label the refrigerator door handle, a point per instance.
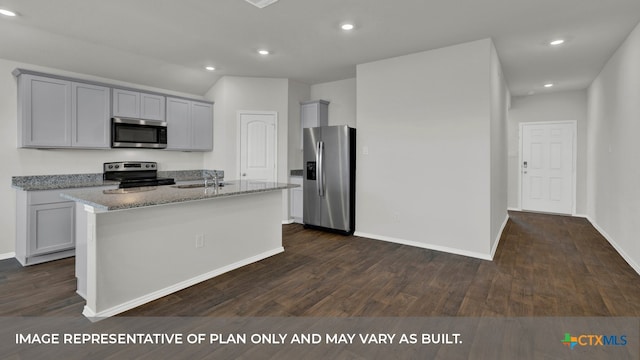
(320, 167)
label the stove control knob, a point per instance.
(117, 166)
(147, 166)
(110, 166)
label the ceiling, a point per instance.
(167, 43)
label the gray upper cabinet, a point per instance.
(62, 112)
(55, 113)
(90, 116)
(313, 113)
(44, 108)
(189, 125)
(138, 105)
(202, 126)
(152, 107)
(126, 103)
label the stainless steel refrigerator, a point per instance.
(329, 178)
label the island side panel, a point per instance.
(145, 253)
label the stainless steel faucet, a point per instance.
(213, 175)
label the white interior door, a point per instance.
(258, 144)
(548, 167)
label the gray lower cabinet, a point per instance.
(55, 113)
(296, 200)
(189, 125)
(45, 228)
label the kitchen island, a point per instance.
(136, 245)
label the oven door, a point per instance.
(136, 133)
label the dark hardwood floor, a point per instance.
(544, 266)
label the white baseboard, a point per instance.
(513, 209)
(615, 245)
(425, 246)
(287, 222)
(93, 316)
(6, 256)
(494, 248)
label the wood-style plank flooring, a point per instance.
(544, 266)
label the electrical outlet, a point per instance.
(199, 240)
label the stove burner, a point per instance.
(134, 174)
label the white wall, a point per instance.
(234, 93)
(613, 155)
(425, 120)
(555, 106)
(498, 143)
(17, 162)
(342, 97)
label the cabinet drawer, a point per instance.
(45, 197)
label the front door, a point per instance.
(548, 167)
(258, 146)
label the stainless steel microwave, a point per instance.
(138, 133)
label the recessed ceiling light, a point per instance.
(548, 85)
(557, 42)
(210, 68)
(261, 3)
(6, 12)
(263, 52)
(347, 27)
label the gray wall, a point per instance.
(613, 166)
(425, 120)
(498, 144)
(342, 97)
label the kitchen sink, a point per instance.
(193, 186)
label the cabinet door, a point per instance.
(90, 116)
(202, 126)
(152, 107)
(178, 124)
(309, 115)
(45, 106)
(296, 204)
(313, 114)
(126, 103)
(51, 228)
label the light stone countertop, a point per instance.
(122, 199)
(70, 181)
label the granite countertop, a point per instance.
(121, 199)
(70, 181)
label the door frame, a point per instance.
(239, 114)
(574, 124)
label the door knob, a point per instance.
(244, 174)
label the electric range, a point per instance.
(135, 174)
